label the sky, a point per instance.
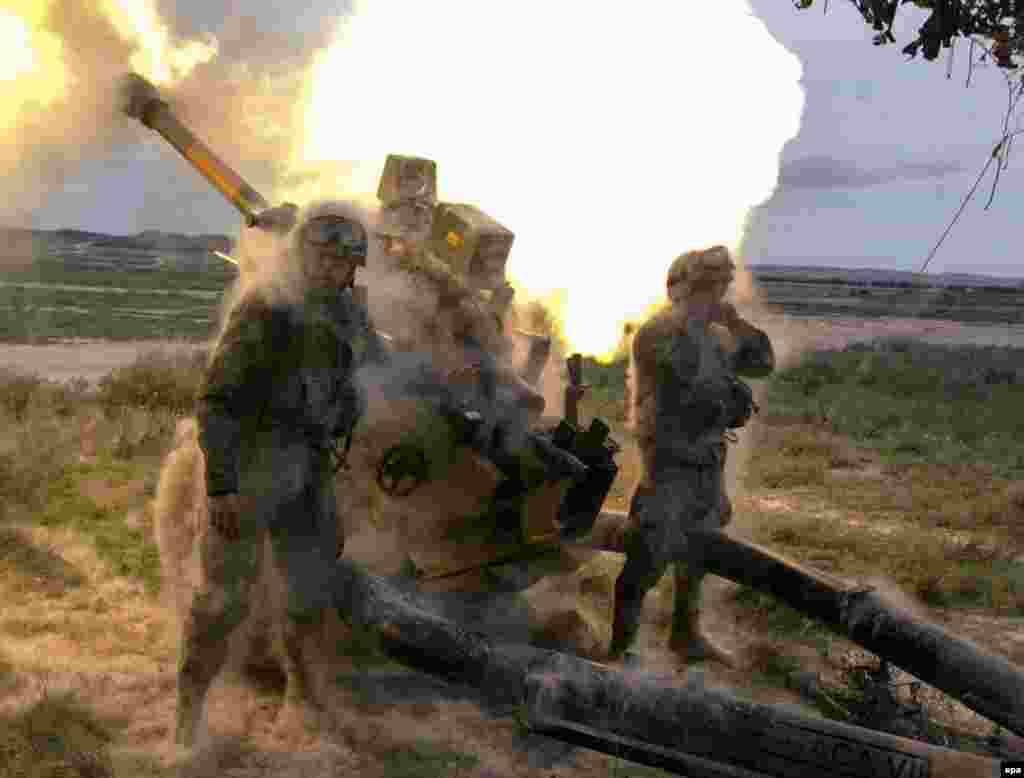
(885, 151)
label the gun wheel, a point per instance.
(402, 470)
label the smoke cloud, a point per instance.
(58, 107)
(238, 90)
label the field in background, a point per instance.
(47, 302)
(898, 462)
(53, 298)
(806, 291)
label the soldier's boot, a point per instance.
(301, 709)
(506, 507)
(202, 656)
(687, 639)
(626, 622)
(191, 699)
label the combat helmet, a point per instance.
(336, 228)
(697, 268)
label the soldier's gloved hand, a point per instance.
(226, 515)
(725, 314)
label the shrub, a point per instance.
(154, 382)
(55, 737)
(915, 400)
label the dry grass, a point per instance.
(55, 737)
(944, 533)
(74, 539)
(78, 471)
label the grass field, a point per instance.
(896, 460)
(914, 450)
(47, 302)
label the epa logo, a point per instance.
(1013, 768)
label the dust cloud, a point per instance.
(240, 92)
(68, 112)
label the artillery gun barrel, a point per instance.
(142, 101)
(691, 731)
(985, 682)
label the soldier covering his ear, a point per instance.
(685, 398)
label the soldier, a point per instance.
(276, 397)
(685, 398)
(459, 316)
(461, 330)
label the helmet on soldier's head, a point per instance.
(334, 232)
(699, 268)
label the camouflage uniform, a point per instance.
(461, 329)
(685, 398)
(277, 395)
(459, 318)
(463, 326)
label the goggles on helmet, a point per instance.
(344, 238)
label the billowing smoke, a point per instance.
(60, 62)
(608, 138)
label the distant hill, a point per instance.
(81, 249)
(166, 241)
(872, 276)
(148, 239)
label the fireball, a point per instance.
(609, 139)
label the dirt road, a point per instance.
(92, 359)
(88, 359)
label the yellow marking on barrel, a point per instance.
(218, 176)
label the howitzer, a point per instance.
(577, 467)
(474, 247)
(404, 467)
